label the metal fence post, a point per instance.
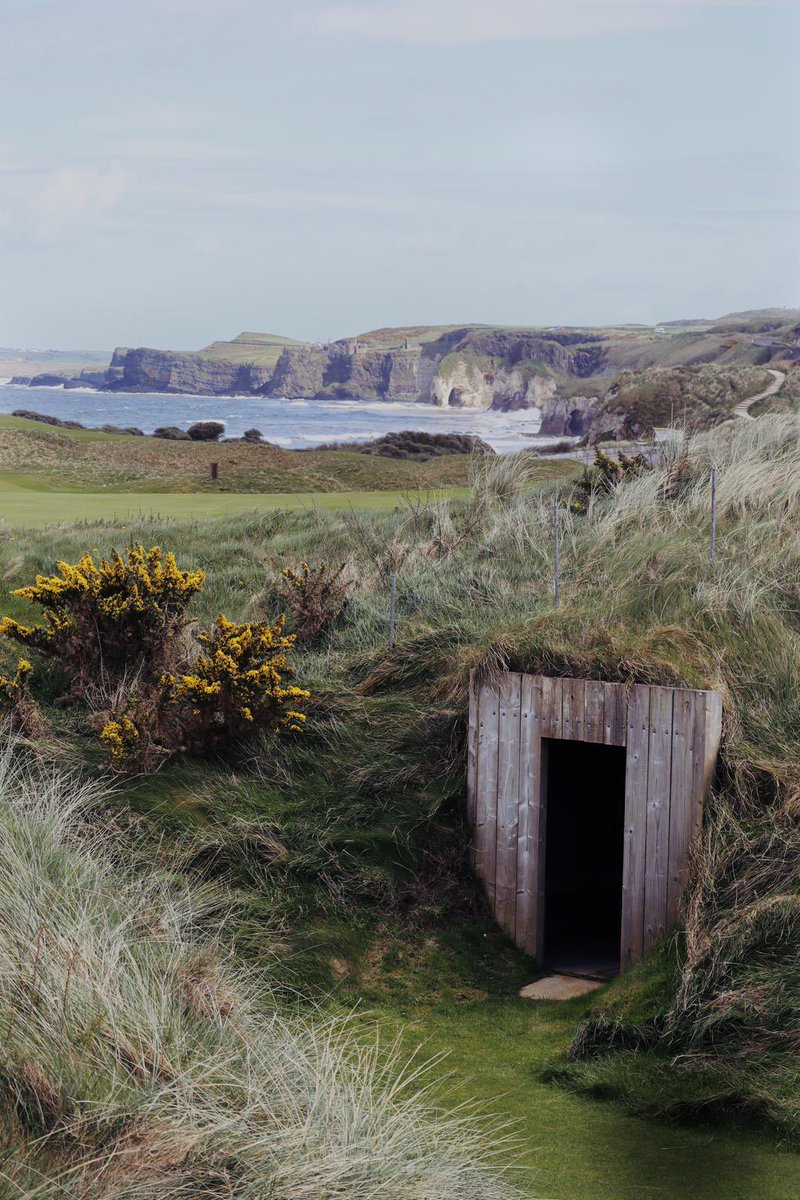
(713, 515)
(392, 595)
(555, 553)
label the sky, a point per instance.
(175, 171)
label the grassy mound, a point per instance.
(346, 847)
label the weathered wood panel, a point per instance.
(572, 700)
(486, 788)
(659, 782)
(672, 739)
(688, 721)
(635, 827)
(594, 711)
(530, 844)
(472, 751)
(508, 804)
(552, 696)
(616, 714)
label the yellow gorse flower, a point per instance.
(11, 688)
(241, 675)
(122, 590)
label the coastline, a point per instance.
(303, 423)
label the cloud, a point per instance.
(76, 197)
(466, 22)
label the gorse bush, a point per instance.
(138, 1061)
(122, 620)
(105, 617)
(604, 474)
(316, 596)
(236, 686)
(16, 702)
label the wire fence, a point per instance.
(556, 557)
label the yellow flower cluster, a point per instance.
(12, 688)
(297, 579)
(117, 583)
(120, 738)
(241, 675)
(142, 589)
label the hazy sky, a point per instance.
(178, 170)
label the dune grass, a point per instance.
(138, 1060)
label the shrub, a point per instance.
(236, 686)
(23, 712)
(206, 431)
(605, 474)
(317, 597)
(105, 617)
(171, 433)
(253, 435)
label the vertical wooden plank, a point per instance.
(486, 789)
(659, 772)
(472, 749)
(505, 900)
(712, 734)
(636, 768)
(529, 813)
(594, 699)
(687, 706)
(616, 714)
(552, 691)
(572, 709)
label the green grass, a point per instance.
(38, 457)
(77, 435)
(26, 508)
(579, 1149)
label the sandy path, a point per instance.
(743, 409)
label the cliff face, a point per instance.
(145, 370)
(618, 382)
(464, 368)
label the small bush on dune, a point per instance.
(317, 597)
(23, 712)
(236, 686)
(104, 617)
(605, 474)
(206, 431)
(120, 622)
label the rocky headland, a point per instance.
(615, 382)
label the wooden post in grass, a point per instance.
(555, 553)
(392, 595)
(713, 515)
(215, 470)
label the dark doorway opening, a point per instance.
(584, 825)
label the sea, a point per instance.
(293, 424)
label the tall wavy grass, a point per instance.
(136, 1061)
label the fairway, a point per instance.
(28, 508)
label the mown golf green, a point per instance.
(29, 508)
